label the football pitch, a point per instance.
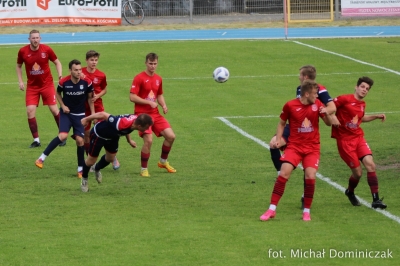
(208, 212)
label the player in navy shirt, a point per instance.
(107, 133)
(72, 93)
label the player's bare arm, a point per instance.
(19, 75)
(91, 103)
(279, 131)
(58, 68)
(330, 108)
(369, 118)
(136, 99)
(99, 95)
(161, 101)
(95, 116)
(61, 102)
(130, 141)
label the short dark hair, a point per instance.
(151, 57)
(367, 80)
(33, 31)
(92, 53)
(309, 71)
(307, 86)
(144, 120)
(74, 62)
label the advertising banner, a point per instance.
(369, 8)
(87, 12)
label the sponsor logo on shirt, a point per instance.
(306, 126)
(75, 93)
(36, 70)
(151, 97)
(353, 124)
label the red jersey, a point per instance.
(148, 88)
(349, 112)
(303, 122)
(37, 65)
(99, 82)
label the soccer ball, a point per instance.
(221, 74)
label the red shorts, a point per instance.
(309, 157)
(33, 95)
(351, 151)
(159, 124)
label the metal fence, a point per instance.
(209, 7)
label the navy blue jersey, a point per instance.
(323, 94)
(115, 126)
(74, 95)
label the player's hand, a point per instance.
(95, 97)
(22, 86)
(132, 143)
(65, 109)
(381, 117)
(84, 121)
(322, 110)
(165, 109)
(82, 76)
(153, 104)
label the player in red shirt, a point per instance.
(99, 80)
(350, 140)
(147, 93)
(36, 57)
(303, 146)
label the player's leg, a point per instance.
(48, 95)
(31, 102)
(93, 153)
(145, 152)
(368, 161)
(292, 158)
(161, 127)
(65, 125)
(310, 164)
(275, 151)
(169, 138)
(347, 151)
(79, 133)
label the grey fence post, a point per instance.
(191, 10)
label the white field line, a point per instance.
(348, 57)
(235, 77)
(319, 176)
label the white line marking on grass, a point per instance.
(319, 176)
(348, 57)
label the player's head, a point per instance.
(92, 58)
(364, 84)
(75, 69)
(366, 80)
(151, 63)
(307, 72)
(34, 39)
(309, 90)
(143, 122)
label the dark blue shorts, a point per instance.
(97, 143)
(68, 120)
(286, 133)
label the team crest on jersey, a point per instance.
(111, 119)
(314, 107)
(81, 87)
(157, 82)
(95, 80)
(43, 55)
(306, 126)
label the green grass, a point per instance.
(208, 212)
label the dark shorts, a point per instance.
(97, 143)
(69, 120)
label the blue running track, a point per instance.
(222, 34)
